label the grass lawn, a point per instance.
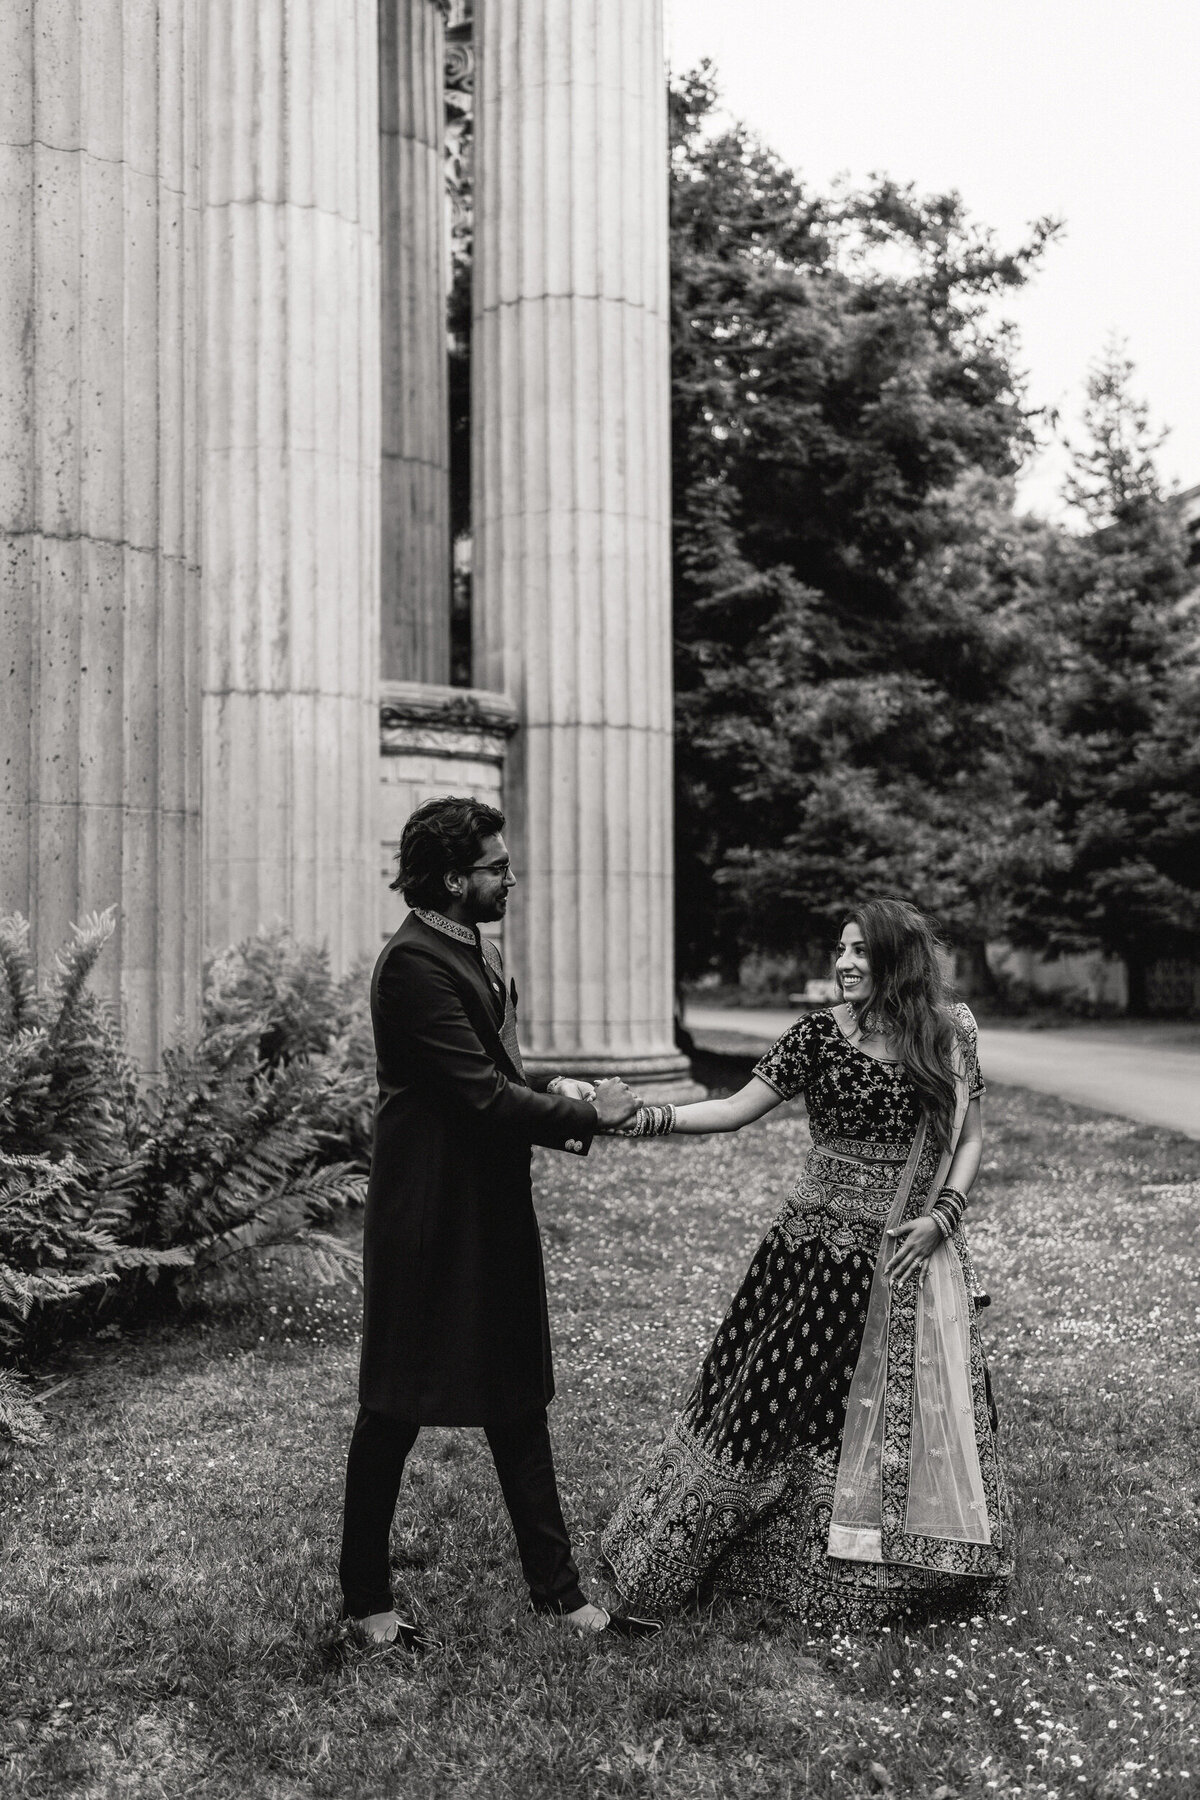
(167, 1567)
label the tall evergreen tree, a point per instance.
(1113, 770)
(851, 583)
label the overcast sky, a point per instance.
(1086, 109)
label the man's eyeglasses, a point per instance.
(503, 869)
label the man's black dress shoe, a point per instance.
(624, 1625)
(620, 1625)
(405, 1639)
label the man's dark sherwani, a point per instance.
(455, 1329)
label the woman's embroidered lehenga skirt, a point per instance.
(741, 1494)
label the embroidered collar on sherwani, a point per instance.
(449, 927)
(493, 967)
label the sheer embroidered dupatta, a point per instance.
(917, 1479)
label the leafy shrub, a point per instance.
(60, 1242)
(21, 1419)
(66, 1082)
(114, 1187)
(285, 990)
(281, 987)
(767, 978)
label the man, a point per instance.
(455, 1327)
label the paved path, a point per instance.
(1139, 1072)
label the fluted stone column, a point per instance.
(99, 618)
(291, 468)
(572, 512)
(415, 518)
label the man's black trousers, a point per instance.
(521, 1452)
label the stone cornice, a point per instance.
(447, 709)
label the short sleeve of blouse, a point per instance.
(785, 1067)
(968, 1039)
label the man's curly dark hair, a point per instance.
(442, 836)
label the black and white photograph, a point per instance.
(599, 900)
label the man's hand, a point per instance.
(615, 1104)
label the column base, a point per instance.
(658, 1078)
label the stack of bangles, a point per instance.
(947, 1210)
(650, 1121)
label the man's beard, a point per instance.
(489, 915)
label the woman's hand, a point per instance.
(915, 1244)
(570, 1088)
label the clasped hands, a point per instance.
(615, 1103)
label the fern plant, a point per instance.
(284, 991)
(279, 986)
(228, 1157)
(58, 1248)
(67, 1084)
(346, 1119)
(112, 1185)
(21, 1418)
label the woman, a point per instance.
(837, 1453)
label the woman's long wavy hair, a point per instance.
(912, 1000)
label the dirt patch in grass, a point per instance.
(168, 1593)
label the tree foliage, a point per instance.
(1112, 769)
(852, 586)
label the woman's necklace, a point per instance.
(870, 1035)
(868, 1025)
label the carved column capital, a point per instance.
(460, 109)
(460, 66)
(460, 47)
